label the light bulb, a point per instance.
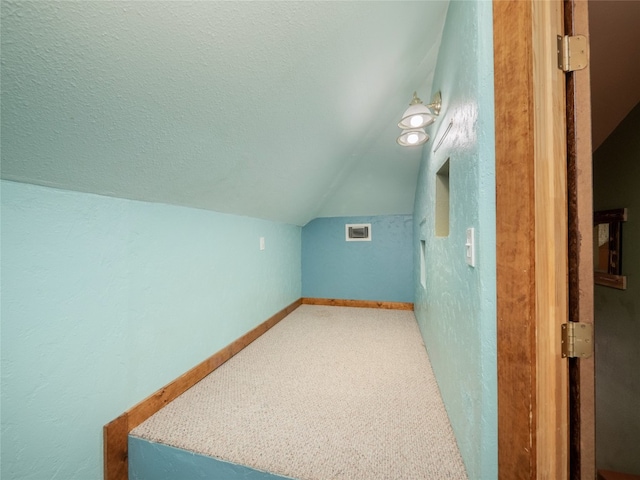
(412, 138)
(416, 120)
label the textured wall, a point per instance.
(105, 300)
(617, 312)
(377, 270)
(456, 311)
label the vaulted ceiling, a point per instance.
(279, 110)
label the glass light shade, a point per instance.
(416, 116)
(412, 137)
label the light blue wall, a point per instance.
(155, 461)
(105, 300)
(380, 270)
(457, 310)
(617, 312)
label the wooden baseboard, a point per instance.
(336, 302)
(116, 432)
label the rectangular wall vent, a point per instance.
(358, 232)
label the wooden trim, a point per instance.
(116, 465)
(337, 302)
(609, 216)
(609, 280)
(531, 206)
(582, 460)
(531, 235)
(551, 243)
(515, 233)
(116, 432)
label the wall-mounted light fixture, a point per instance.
(415, 118)
(412, 137)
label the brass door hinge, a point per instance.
(577, 340)
(572, 52)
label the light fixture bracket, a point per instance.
(436, 103)
(434, 106)
(415, 100)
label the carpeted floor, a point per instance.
(328, 393)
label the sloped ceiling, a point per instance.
(279, 110)
(615, 63)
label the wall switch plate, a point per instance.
(470, 247)
(261, 243)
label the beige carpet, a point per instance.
(328, 393)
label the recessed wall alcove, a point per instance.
(442, 200)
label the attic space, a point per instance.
(176, 173)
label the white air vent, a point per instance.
(358, 232)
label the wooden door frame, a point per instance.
(531, 234)
(580, 190)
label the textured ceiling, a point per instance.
(278, 110)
